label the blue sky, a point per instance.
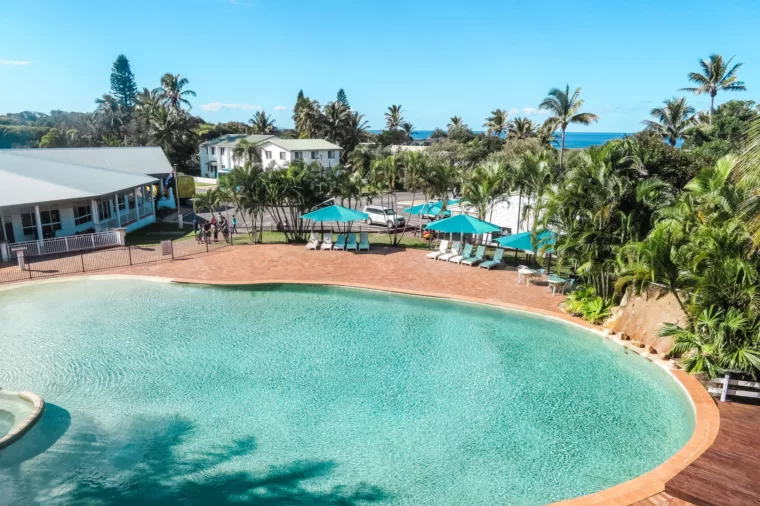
(436, 58)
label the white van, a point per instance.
(383, 216)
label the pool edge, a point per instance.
(706, 414)
(28, 422)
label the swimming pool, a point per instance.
(319, 395)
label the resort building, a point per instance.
(217, 157)
(59, 200)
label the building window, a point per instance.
(82, 215)
(206, 148)
(331, 154)
(213, 150)
(29, 224)
(282, 155)
(298, 155)
(314, 155)
(221, 151)
(104, 210)
(51, 221)
(268, 154)
(121, 203)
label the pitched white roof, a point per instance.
(304, 144)
(28, 180)
(135, 160)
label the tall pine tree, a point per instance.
(123, 85)
(343, 99)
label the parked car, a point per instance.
(383, 216)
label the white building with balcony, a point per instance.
(50, 199)
(217, 157)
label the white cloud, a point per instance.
(14, 62)
(527, 111)
(218, 106)
(280, 107)
(533, 110)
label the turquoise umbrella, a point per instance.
(335, 213)
(462, 224)
(435, 209)
(429, 208)
(522, 241)
(419, 209)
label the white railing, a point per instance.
(66, 244)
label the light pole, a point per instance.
(320, 173)
(176, 196)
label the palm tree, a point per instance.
(393, 117)
(673, 120)
(354, 132)
(521, 128)
(545, 133)
(308, 118)
(715, 76)
(147, 102)
(261, 123)
(564, 109)
(335, 118)
(109, 112)
(172, 91)
(408, 129)
(247, 151)
(497, 122)
(748, 177)
(456, 122)
(486, 186)
(656, 259)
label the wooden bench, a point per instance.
(738, 388)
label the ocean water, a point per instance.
(573, 140)
(174, 394)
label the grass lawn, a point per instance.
(157, 232)
(374, 239)
(204, 184)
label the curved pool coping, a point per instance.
(27, 423)
(706, 414)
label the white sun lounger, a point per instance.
(454, 252)
(327, 244)
(313, 242)
(442, 248)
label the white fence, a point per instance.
(67, 244)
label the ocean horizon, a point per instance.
(573, 140)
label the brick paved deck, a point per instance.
(391, 268)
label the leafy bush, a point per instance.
(596, 310)
(585, 303)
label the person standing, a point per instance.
(216, 231)
(234, 224)
(206, 232)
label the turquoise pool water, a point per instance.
(161, 393)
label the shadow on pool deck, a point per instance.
(146, 470)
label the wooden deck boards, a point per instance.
(728, 473)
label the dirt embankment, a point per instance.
(642, 316)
